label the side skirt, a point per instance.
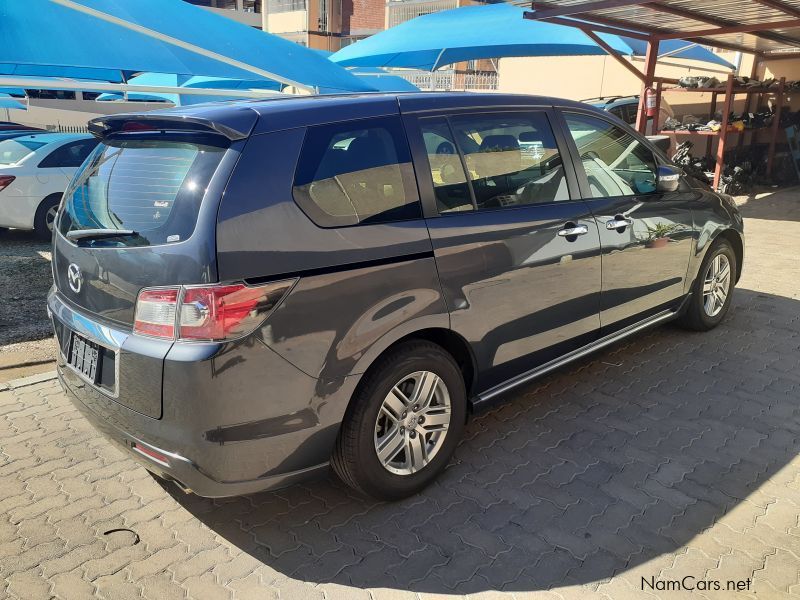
(491, 396)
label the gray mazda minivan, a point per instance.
(246, 293)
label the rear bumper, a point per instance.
(235, 418)
(18, 211)
(183, 471)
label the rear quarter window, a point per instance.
(12, 151)
(358, 172)
(152, 187)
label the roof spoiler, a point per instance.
(234, 124)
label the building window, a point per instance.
(225, 4)
(51, 94)
(400, 11)
(280, 6)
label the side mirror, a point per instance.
(668, 179)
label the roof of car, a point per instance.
(51, 138)
(240, 118)
(612, 100)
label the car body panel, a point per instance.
(264, 410)
(630, 293)
(626, 108)
(264, 234)
(20, 200)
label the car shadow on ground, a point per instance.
(589, 472)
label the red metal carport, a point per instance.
(769, 29)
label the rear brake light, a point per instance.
(208, 312)
(5, 181)
(136, 126)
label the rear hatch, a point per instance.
(140, 212)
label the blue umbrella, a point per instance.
(474, 32)
(165, 36)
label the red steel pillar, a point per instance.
(650, 61)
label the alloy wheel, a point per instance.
(716, 285)
(412, 423)
(50, 217)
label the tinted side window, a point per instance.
(511, 159)
(616, 163)
(69, 155)
(449, 180)
(619, 112)
(631, 111)
(356, 172)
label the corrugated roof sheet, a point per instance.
(687, 16)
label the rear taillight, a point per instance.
(208, 312)
(156, 310)
(5, 181)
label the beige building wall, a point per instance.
(582, 77)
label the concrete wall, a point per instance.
(52, 113)
(288, 22)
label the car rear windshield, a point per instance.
(151, 187)
(12, 151)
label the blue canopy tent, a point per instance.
(103, 39)
(6, 101)
(378, 78)
(383, 81)
(185, 81)
(489, 31)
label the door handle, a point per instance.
(618, 222)
(572, 230)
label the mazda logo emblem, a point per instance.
(74, 277)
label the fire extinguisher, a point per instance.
(650, 102)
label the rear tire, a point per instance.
(712, 290)
(396, 436)
(44, 220)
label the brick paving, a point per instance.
(671, 455)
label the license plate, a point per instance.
(84, 356)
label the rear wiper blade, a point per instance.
(99, 233)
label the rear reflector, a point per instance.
(208, 312)
(161, 459)
(5, 181)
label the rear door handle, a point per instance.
(618, 223)
(573, 230)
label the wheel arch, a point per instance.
(706, 240)
(453, 343)
(734, 238)
(40, 209)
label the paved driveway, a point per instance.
(672, 455)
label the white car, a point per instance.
(34, 172)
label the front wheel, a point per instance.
(713, 289)
(404, 422)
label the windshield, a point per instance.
(151, 187)
(14, 150)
